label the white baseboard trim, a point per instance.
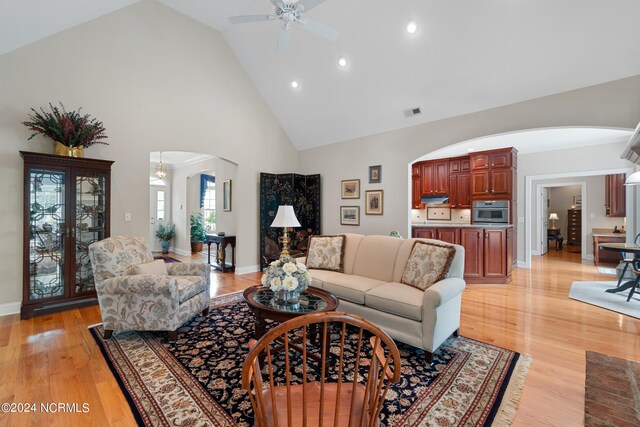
(521, 264)
(535, 252)
(10, 308)
(588, 257)
(180, 251)
(247, 270)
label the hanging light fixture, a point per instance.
(160, 170)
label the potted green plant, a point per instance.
(198, 233)
(165, 233)
(71, 131)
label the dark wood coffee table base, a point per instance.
(313, 300)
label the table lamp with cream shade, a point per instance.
(285, 218)
(553, 218)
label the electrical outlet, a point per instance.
(127, 216)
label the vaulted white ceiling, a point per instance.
(468, 55)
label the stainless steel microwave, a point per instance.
(490, 212)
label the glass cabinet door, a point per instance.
(47, 231)
(90, 225)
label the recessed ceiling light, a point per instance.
(412, 27)
(295, 84)
(342, 62)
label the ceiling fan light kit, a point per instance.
(291, 12)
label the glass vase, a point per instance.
(286, 298)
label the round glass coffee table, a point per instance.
(260, 300)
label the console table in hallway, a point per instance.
(221, 245)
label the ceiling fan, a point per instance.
(289, 12)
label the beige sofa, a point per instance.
(369, 286)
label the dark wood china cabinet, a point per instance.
(66, 208)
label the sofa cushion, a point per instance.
(351, 244)
(376, 257)
(189, 286)
(318, 277)
(326, 253)
(396, 298)
(350, 287)
(428, 263)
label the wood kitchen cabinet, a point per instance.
(460, 164)
(488, 256)
(424, 233)
(449, 235)
(460, 182)
(472, 241)
(493, 174)
(495, 253)
(614, 195)
(434, 175)
(460, 191)
(603, 255)
(493, 184)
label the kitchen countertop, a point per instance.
(452, 225)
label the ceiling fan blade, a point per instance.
(319, 29)
(284, 40)
(250, 18)
(310, 4)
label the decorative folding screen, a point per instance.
(300, 191)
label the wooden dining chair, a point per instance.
(290, 388)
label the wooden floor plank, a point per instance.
(53, 358)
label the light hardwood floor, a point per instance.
(53, 358)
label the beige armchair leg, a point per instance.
(107, 334)
(173, 335)
(205, 311)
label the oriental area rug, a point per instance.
(196, 381)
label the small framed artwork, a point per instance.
(375, 174)
(349, 215)
(350, 189)
(374, 202)
(577, 201)
(226, 195)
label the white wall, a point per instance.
(614, 104)
(159, 81)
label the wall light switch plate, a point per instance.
(127, 216)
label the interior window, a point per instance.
(160, 205)
(209, 208)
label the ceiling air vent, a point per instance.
(411, 112)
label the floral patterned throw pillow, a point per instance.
(428, 263)
(326, 253)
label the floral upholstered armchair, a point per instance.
(150, 302)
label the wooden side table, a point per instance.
(221, 253)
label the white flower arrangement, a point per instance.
(286, 274)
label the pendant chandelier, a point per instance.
(160, 170)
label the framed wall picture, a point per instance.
(349, 215)
(350, 189)
(374, 202)
(375, 174)
(226, 195)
